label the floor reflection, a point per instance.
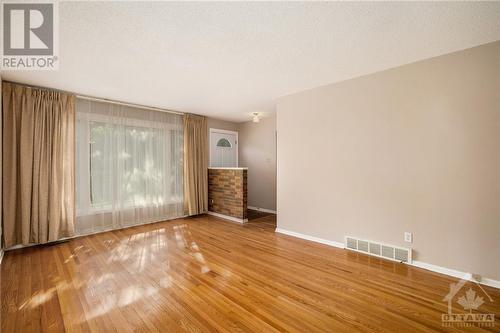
(184, 237)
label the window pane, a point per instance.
(144, 169)
(223, 143)
(100, 191)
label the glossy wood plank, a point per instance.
(203, 274)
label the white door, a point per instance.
(223, 148)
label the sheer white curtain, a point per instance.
(128, 167)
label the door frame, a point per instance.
(216, 130)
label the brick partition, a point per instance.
(227, 192)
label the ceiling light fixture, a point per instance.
(255, 117)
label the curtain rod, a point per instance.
(97, 99)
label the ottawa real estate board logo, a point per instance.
(469, 298)
(30, 35)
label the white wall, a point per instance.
(257, 151)
(415, 148)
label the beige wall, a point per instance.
(222, 124)
(416, 149)
(257, 151)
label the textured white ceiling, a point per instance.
(227, 60)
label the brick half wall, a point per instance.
(227, 192)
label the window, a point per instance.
(223, 143)
(139, 167)
(129, 166)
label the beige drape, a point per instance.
(195, 165)
(38, 165)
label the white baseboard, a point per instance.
(265, 210)
(442, 270)
(434, 268)
(310, 238)
(227, 217)
(490, 282)
(455, 273)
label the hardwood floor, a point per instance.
(203, 274)
(255, 214)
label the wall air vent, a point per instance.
(351, 243)
(378, 249)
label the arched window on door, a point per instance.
(224, 143)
